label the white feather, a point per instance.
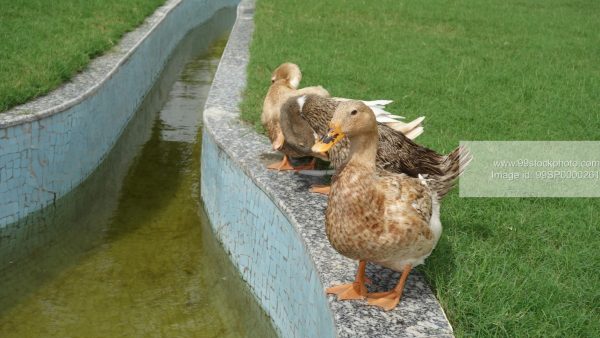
(434, 222)
(301, 100)
(413, 134)
(380, 103)
(377, 107)
(383, 116)
(406, 127)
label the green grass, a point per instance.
(44, 43)
(479, 70)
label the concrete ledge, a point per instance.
(273, 228)
(51, 144)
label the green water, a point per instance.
(130, 253)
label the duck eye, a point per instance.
(354, 112)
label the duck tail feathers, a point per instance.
(411, 129)
(455, 164)
(413, 134)
(374, 103)
(378, 103)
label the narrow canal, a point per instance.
(129, 252)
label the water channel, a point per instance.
(130, 252)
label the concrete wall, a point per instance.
(50, 145)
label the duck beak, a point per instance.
(333, 136)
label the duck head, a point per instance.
(288, 74)
(351, 118)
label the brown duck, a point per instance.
(374, 215)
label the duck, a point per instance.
(285, 80)
(396, 150)
(374, 215)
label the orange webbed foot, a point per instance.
(356, 290)
(309, 166)
(284, 164)
(347, 291)
(390, 299)
(320, 189)
(385, 300)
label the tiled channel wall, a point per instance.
(264, 246)
(43, 158)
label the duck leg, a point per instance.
(309, 166)
(320, 189)
(389, 300)
(284, 164)
(356, 290)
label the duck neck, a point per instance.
(363, 150)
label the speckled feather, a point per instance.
(380, 217)
(372, 214)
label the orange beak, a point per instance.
(333, 136)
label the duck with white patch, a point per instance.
(284, 84)
(377, 216)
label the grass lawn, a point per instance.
(479, 70)
(44, 43)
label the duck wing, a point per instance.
(399, 154)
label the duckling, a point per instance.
(396, 152)
(373, 215)
(284, 84)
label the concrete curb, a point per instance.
(272, 227)
(51, 144)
